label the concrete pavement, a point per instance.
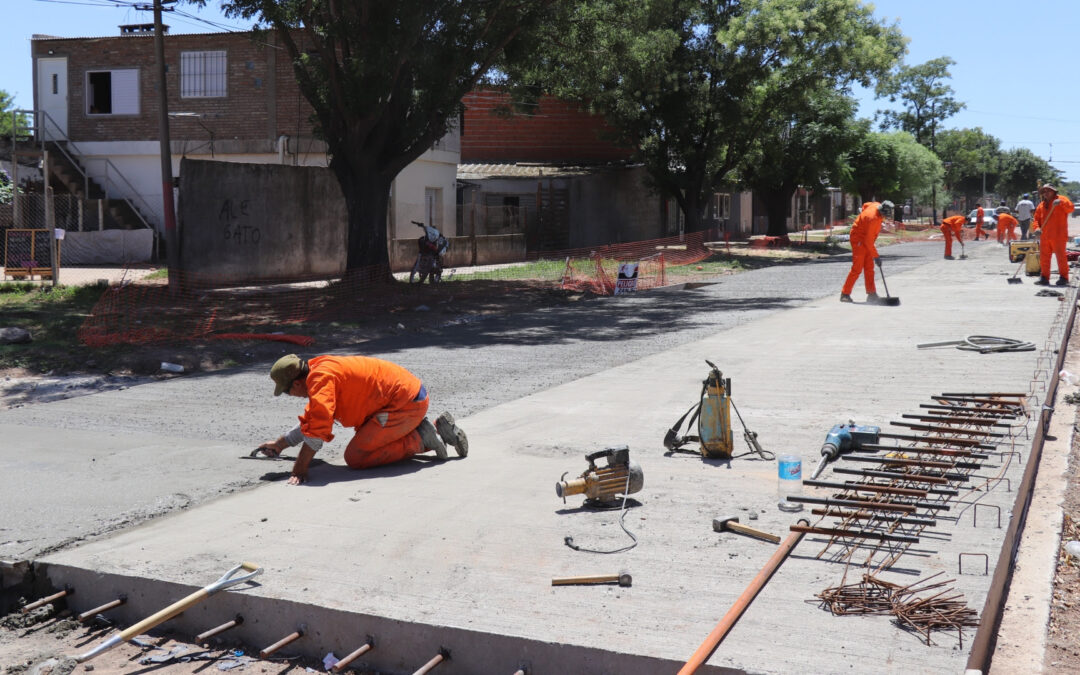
(460, 554)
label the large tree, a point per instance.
(694, 84)
(1023, 171)
(925, 96)
(971, 158)
(386, 80)
(803, 148)
(890, 166)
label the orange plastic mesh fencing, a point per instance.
(201, 307)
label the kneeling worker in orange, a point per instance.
(863, 252)
(1052, 222)
(953, 226)
(386, 405)
(1006, 228)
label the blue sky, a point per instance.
(1013, 69)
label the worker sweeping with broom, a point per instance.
(1052, 224)
(863, 252)
(951, 227)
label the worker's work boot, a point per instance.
(1043, 281)
(949, 257)
(452, 434)
(1062, 282)
(844, 297)
(430, 438)
(873, 299)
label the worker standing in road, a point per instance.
(1024, 209)
(979, 215)
(1006, 229)
(863, 252)
(1051, 221)
(386, 404)
(951, 227)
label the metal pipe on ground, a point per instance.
(939, 440)
(856, 503)
(713, 639)
(443, 655)
(287, 640)
(217, 630)
(46, 600)
(353, 655)
(905, 461)
(863, 515)
(948, 429)
(1006, 413)
(867, 487)
(90, 613)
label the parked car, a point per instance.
(989, 219)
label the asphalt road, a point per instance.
(116, 458)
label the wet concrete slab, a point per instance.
(460, 555)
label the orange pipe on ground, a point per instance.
(702, 654)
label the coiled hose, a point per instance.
(985, 344)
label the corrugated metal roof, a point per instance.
(130, 36)
(526, 170)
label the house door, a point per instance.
(53, 99)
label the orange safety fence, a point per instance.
(202, 307)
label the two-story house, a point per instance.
(231, 97)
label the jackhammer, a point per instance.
(842, 439)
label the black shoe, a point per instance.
(844, 297)
(1061, 282)
(949, 257)
(452, 434)
(1043, 281)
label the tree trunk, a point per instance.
(777, 203)
(694, 207)
(367, 198)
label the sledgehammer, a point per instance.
(731, 523)
(623, 578)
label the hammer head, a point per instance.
(720, 524)
(624, 578)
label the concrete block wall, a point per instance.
(559, 132)
(490, 250)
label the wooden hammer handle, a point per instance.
(752, 532)
(597, 579)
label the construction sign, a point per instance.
(627, 280)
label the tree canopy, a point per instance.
(1023, 171)
(890, 165)
(7, 117)
(926, 98)
(386, 80)
(695, 85)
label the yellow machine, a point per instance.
(602, 485)
(1027, 251)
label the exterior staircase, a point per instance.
(67, 172)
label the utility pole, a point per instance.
(172, 252)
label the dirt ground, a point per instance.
(46, 643)
(1063, 634)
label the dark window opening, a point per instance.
(55, 84)
(100, 94)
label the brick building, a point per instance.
(558, 176)
(232, 97)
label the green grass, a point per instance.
(53, 316)
(162, 273)
(540, 269)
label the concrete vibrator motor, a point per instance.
(845, 438)
(603, 485)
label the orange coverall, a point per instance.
(376, 397)
(1006, 229)
(863, 235)
(979, 223)
(1054, 233)
(953, 226)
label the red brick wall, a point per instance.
(260, 103)
(559, 132)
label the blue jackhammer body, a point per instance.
(843, 438)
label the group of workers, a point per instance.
(1048, 221)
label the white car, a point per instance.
(989, 219)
